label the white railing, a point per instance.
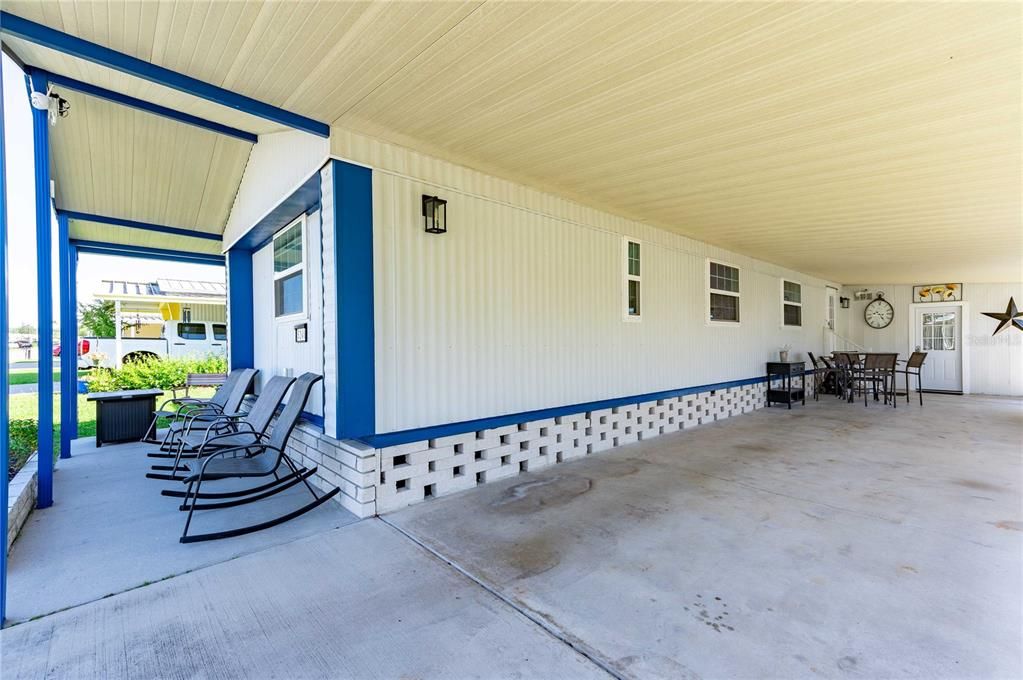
(839, 342)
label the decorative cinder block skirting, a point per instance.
(375, 481)
(21, 499)
(413, 472)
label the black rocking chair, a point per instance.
(229, 430)
(191, 411)
(265, 459)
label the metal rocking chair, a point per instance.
(191, 412)
(229, 430)
(240, 462)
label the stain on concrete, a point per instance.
(653, 666)
(711, 612)
(537, 494)
(909, 569)
(530, 557)
(847, 663)
(1008, 525)
(976, 485)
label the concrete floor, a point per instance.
(110, 530)
(826, 541)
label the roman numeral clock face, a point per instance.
(878, 313)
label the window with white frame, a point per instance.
(791, 303)
(633, 280)
(722, 293)
(289, 270)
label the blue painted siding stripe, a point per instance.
(83, 49)
(434, 431)
(240, 326)
(100, 248)
(4, 359)
(68, 341)
(135, 224)
(353, 266)
(150, 107)
(41, 151)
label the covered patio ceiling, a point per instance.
(857, 142)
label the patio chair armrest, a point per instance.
(257, 443)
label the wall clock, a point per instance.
(879, 313)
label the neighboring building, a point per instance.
(143, 307)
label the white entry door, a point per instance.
(831, 301)
(939, 332)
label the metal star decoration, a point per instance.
(1011, 317)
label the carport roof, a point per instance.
(854, 141)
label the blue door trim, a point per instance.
(68, 340)
(353, 267)
(240, 326)
(434, 431)
(83, 49)
(149, 107)
(135, 224)
(44, 227)
(101, 248)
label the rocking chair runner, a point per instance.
(191, 411)
(228, 430)
(242, 463)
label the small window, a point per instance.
(633, 282)
(791, 303)
(289, 270)
(723, 293)
(192, 331)
(219, 331)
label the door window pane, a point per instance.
(288, 248)
(219, 331)
(288, 294)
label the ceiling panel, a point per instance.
(83, 230)
(854, 141)
(115, 161)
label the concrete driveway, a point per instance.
(831, 541)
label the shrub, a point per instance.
(153, 373)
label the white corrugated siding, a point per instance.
(519, 306)
(329, 300)
(276, 166)
(996, 362)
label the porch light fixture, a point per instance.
(435, 215)
(844, 301)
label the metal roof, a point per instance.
(205, 291)
(843, 139)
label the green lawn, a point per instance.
(31, 377)
(24, 407)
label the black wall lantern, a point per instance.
(844, 302)
(435, 215)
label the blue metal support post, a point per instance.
(44, 226)
(68, 341)
(4, 411)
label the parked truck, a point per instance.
(178, 339)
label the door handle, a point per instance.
(216, 344)
(179, 343)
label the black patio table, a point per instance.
(123, 416)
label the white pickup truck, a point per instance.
(179, 339)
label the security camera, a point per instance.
(40, 101)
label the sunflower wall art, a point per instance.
(938, 292)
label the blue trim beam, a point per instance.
(353, 267)
(5, 453)
(435, 431)
(44, 273)
(68, 341)
(240, 344)
(100, 248)
(135, 224)
(104, 56)
(149, 107)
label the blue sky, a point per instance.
(21, 255)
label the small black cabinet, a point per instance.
(786, 393)
(123, 416)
